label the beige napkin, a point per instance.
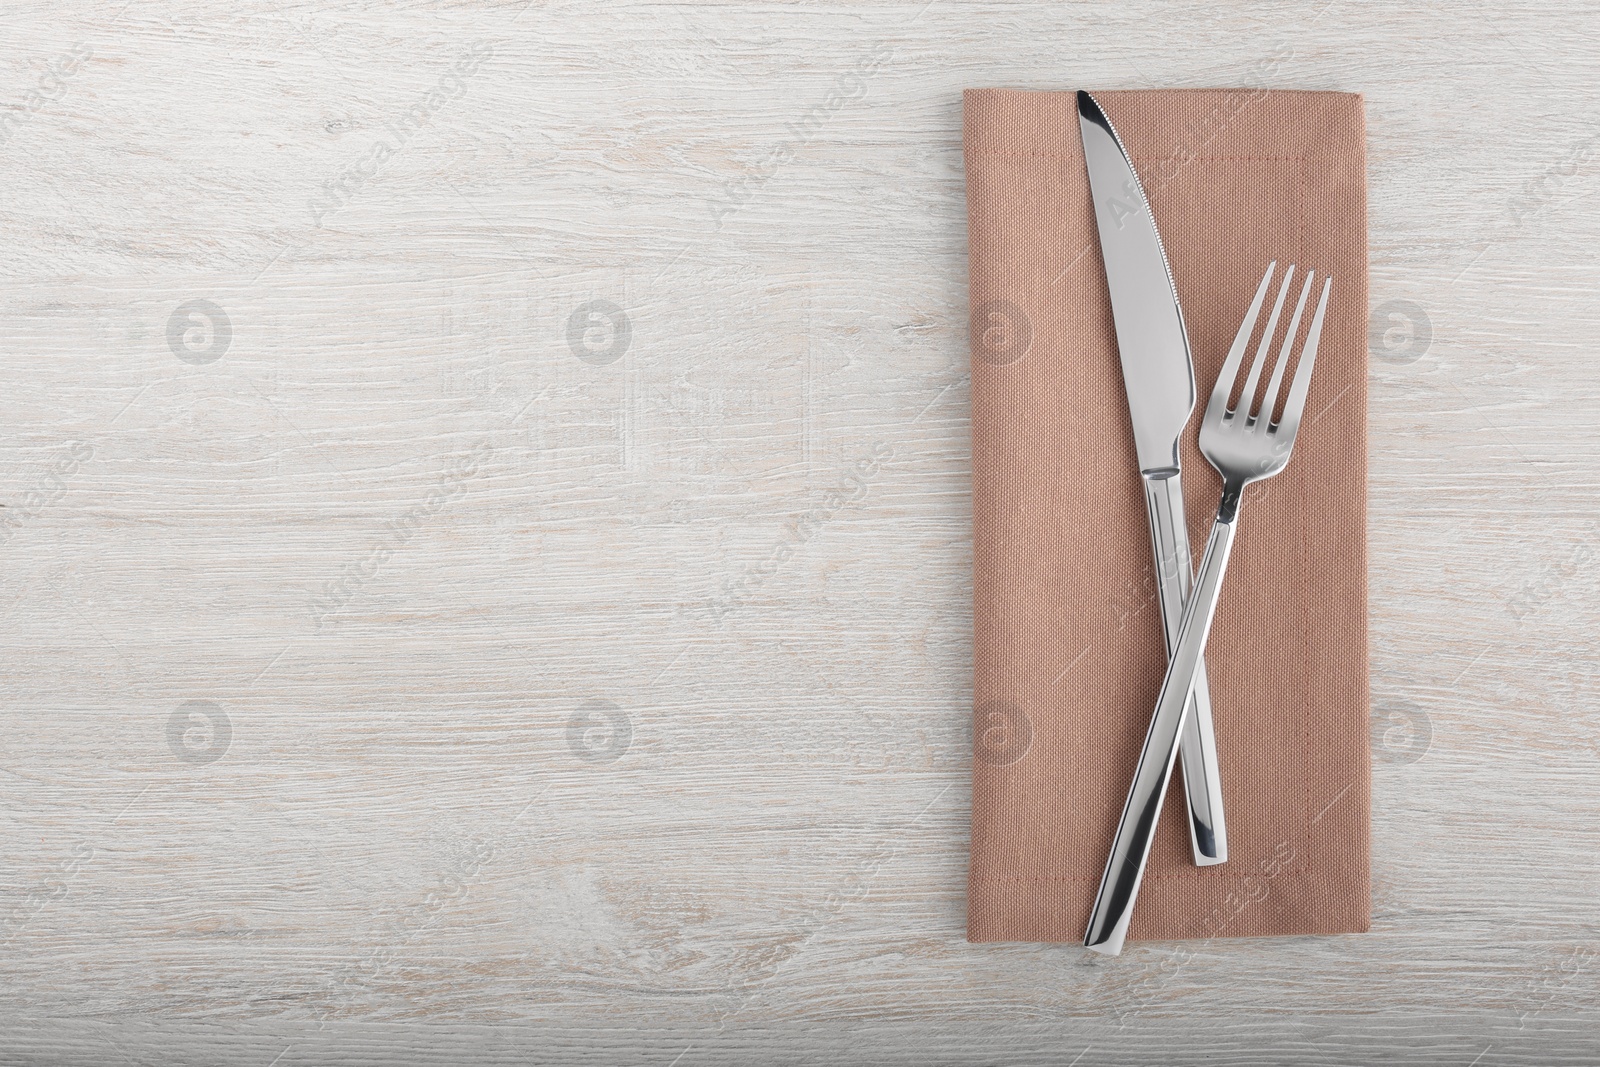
(1069, 654)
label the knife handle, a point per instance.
(1202, 783)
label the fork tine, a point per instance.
(1217, 406)
(1248, 396)
(1296, 404)
(1269, 399)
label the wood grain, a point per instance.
(537, 628)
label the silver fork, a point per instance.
(1245, 446)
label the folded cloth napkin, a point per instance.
(1068, 647)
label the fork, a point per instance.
(1245, 445)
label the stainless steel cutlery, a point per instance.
(1159, 377)
(1245, 443)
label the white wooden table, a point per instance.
(486, 541)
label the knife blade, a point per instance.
(1158, 375)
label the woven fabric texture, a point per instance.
(1068, 648)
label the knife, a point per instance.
(1159, 378)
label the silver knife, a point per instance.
(1159, 378)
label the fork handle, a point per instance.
(1202, 781)
(1119, 885)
